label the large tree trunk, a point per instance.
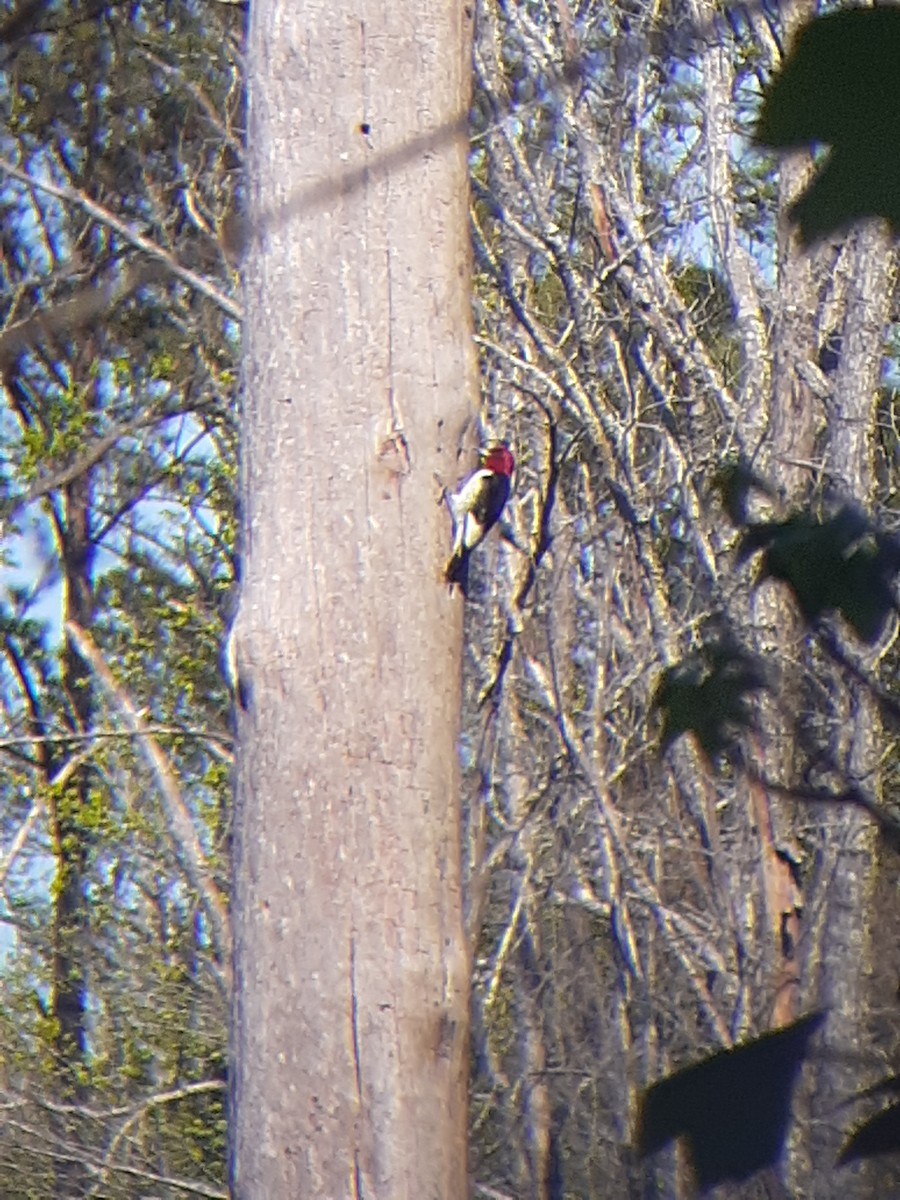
(351, 988)
(850, 948)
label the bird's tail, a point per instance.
(457, 570)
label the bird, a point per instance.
(475, 508)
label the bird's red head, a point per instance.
(498, 459)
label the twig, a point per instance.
(129, 234)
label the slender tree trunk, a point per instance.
(70, 842)
(352, 971)
(72, 834)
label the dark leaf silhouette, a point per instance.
(889, 1085)
(707, 695)
(733, 482)
(878, 1135)
(840, 86)
(733, 1107)
(838, 565)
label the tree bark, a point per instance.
(351, 967)
(853, 937)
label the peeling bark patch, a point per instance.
(393, 452)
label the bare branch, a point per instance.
(198, 94)
(86, 306)
(129, 234)
(135, 1114)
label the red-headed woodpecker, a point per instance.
(476, 507)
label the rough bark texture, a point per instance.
(844, 955)
(351, 989)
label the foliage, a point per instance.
(121, 173)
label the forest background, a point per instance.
(690, 392)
